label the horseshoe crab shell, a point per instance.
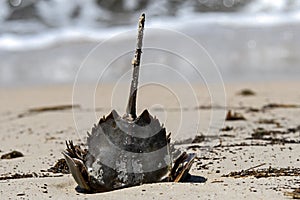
(128, 150)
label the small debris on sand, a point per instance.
(21, 194)
(294, 194)
(27, 175)
(294, 130)
(11, 155)
(279, 105)
(197, 139)
(265, 173)
(217, 181)
(269, 121)
(233, 116)
(53, 108)
(251, 109)
(227, 128)
(259, 133)
(209, 107)
(246, 92)
(47, 109)
(17, 176)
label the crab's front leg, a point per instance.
(78, 170)
(181, 167)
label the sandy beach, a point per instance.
(36, 121)
(221, 76)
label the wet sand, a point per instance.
(266, 141)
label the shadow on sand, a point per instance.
(195, 179)
(189, 179)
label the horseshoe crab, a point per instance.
(126, 151)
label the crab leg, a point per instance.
(131, 107)
(78, 170)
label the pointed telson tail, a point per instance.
(131, 107)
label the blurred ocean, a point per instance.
(46, 41)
